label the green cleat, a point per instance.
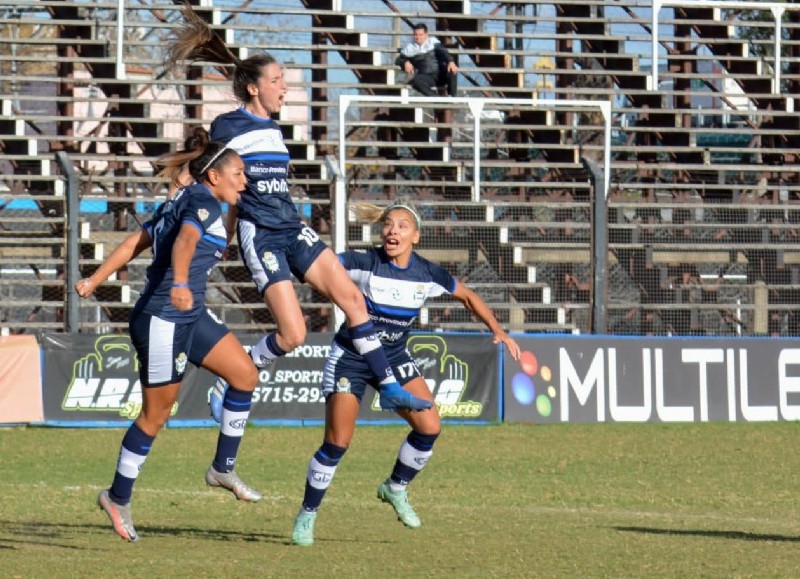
(303, 533)
(399, 500)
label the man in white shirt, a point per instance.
(428, 63)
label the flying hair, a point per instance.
(173, 164)
(195, 41)
(199, 155)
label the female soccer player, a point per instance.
(273, 240)
(412, 279)
(169, 325)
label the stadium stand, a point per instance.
(702, 209)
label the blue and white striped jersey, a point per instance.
(197, 206)
(394, 295)
(266, 201)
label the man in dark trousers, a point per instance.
(428, 63)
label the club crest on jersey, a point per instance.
(270, 261)
(202, 214)
(419, 293)
(396, 295)
(180, 363)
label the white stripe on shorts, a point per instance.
(160, 351)
(247, 234)
(329, 370)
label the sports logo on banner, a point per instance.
(447, 374)
(95, 379)
(90, 378)
(105, 380)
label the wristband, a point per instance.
(180, 285)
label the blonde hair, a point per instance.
(372, 213)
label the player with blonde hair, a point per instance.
(396, 281)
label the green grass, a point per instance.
(692, 500)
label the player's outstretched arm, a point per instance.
(477, 306)
(130, 247)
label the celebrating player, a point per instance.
(169, 325)
(396, 281)
(273, 241)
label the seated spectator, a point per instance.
(428, 63)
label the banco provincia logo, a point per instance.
(107, 379)
(447, 377)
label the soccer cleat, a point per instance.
(215, 397)
(262, 361)
(393, 397)
(303, 533)
(231, 481)
(120, 516)
(217, 393)
(399, 501)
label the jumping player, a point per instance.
(273, 240)
(170, 326)
(396, 281)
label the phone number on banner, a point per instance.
(278, 394)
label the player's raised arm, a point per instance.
(130, 247)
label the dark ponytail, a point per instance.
(195, 41)
(199, 155)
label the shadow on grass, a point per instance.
(38, 533)
(735, 535)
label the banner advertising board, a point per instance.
(93, 379)
(648, 379)
(20, 380)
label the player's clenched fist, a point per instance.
(85, 287)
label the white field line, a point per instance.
(139, 490)
(597, 512)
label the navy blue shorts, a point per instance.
(271, 260)
(164, 347)
(348, 372)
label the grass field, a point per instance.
(696, 500)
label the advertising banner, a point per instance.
(94, 380)
(648, 379)
(90, 379)
(20, 380)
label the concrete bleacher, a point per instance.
(664, 148)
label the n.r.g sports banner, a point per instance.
(94, 380)
(642, 379)
(90, 379)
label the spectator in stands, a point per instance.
(274, 242)
(346, 375)
(169, 325)
(428, 64)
